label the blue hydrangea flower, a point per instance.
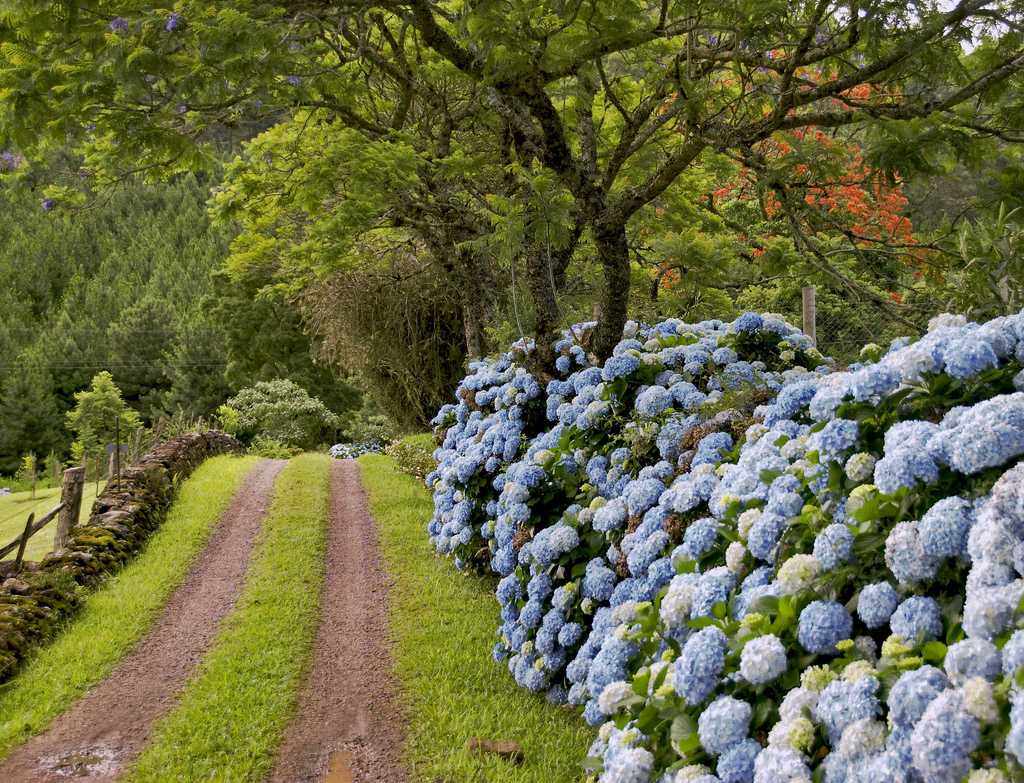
(945, 738)
(723, 724)
(833, 546)
(912, 694)
(918, 616)
(696, 672)
(876, 604)
(822, 625)
(736, 765)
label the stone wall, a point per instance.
(34, 603)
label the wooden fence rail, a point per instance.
(66, 513)
(30, 530)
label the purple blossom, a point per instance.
(119, 23)
(297, 80)
(47, 204)
(172, 23)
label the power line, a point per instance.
(105, 366)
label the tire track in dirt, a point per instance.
(348, 725)
(109, 726)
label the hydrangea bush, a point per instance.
(353, 450)
(744, 565)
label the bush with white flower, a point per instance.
(748, 566)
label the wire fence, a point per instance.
(842, 333)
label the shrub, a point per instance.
(732, 556)
(411, 458)
(280, 411)
(268, 448)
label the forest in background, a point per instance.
(135, 285)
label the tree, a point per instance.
(29, 419)
(98, 412)
(617, 100)
(283, 411)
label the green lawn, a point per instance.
(443, 628)
(117, 615)
(14, 511)
(232, 716)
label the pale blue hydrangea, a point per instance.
(736, 765)
(844, 702)
(833, 546)
(912, 694)
(919, 617)
(696, 672)
(944, 739)
(723, 724)
(1013, 654)
(876, 604)
(972, 658)
(822, 625)
(944, 528)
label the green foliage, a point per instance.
(265, 447)
(990, 280)
(283, 411)
(100, 411)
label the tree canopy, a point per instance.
(412, 124)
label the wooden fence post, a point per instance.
(24, 542)
(110, 468)
(56, 473)
(97, 474)
(33, 477)
(71, 496)
(138, 444)
(810, 325)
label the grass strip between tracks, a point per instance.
(232, 716)
(442, 624)
(117, 615)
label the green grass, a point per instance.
(14, 511)
(422, 440)
(232, 716)
(117, 615)
(443, 628)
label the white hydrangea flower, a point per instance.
(612, 696)
(858, 669)
(980, 701)
(734, 557)
(946, 319)
(862, 738)
(605, 732)
(763, 659)
(746, 521)
(755, 432)
(860, 467)
(624, 613)
(798, 699)
(798, 573)
(675, 606)
(542, 456)
(867, 647)
(793, 449)
(690, 772)
(988, 776)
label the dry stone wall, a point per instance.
(35, 602)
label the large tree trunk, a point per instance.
(546, 316)
(613, 250)
(478, 297)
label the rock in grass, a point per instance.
(508, 749)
